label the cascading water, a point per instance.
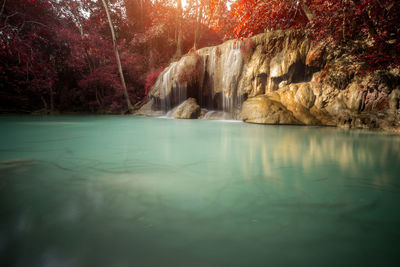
(218, 70)
(171, 90)
(231, 65)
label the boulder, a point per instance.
(305, 95)
(188, 110)
(261, 109)
(288, 97)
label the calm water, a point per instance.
(126, 191)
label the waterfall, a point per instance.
(171, 91)
(232, 63)
(219, 69)
(282, 66)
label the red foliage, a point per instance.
(221, 19)
(59, 52)
(29, 48)
(151, 79)
(368, 29)
(57, 56)
(255, 16)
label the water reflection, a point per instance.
(273, 150)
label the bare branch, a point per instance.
(12, 15)
(35, 22)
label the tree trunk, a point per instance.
(121, 74)
(178, 53)
(198, 15)
(151, 59)
(51, 100)
(44, 103)
(88, 61)
(141, 13)
(309, 13)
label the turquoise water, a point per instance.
(130, 191)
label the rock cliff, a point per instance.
(280, 77)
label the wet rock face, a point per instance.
(286, 79)
(188, 110)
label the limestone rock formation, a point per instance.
(305, 95)
(261, 109)
(189, 109)
(280, 78)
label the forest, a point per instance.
(102, 56)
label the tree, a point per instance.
(179, 30)
(29, 52)
(255, 16)
(367, 29)
(128, 102)
(72, 56)
(221, 19)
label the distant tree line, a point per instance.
(103, 56)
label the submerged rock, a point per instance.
(188, 110)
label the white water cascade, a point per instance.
(231, 65)
(214, 82)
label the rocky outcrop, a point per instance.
(262, 109)
(189, 109)
(280, 77)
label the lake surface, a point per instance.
(131, 191)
